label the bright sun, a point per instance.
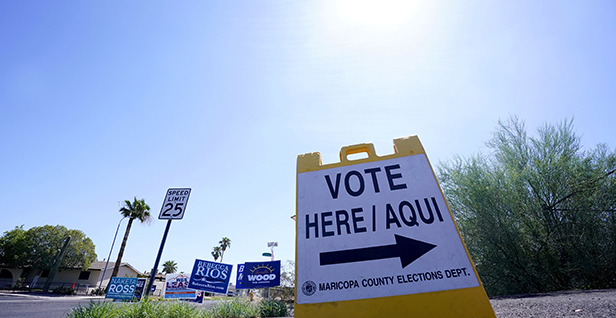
(373, 13)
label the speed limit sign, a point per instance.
(175, 204)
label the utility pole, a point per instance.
(56, 264)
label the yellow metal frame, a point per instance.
(402, 146)
(466, 302)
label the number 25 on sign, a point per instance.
(174, 204)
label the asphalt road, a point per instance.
(40, 306)
(15, 305)
(579, 304)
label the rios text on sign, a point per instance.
(210, 276)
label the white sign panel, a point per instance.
(174, 204)
(376, 229)
(176, 287)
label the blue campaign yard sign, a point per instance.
(140, 287)
(261, 274)
(240, 276)
(210, 276)
(121, 287)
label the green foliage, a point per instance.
(178, 309)
(287, 275)
(273, 308)
(538, 213)
(286, 290)
(99, 291)
(143, 309)
(219, 251)
(65, 291)
(95, 310)
(216, 253)
(285, 294)
(225, 243)
(170, 267)
(235, 308)
(14, 248)
(136, 210)
(38, 246)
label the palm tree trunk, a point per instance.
(118, 262)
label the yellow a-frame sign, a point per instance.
(375, 238)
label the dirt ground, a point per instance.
(579, 303)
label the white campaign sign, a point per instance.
(376, 229)
(174, 204)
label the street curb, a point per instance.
(50, 296)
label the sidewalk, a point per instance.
(41, 296)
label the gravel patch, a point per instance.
(578, 303)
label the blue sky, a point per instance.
(104, 101)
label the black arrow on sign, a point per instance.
(407, 249)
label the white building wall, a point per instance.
(16, 273)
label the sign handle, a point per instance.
(355, 149)
(160, 253)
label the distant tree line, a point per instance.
(537, 213)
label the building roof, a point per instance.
(100, 265)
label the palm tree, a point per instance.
(224, 244)
(139, 210)
(170, 267)
(216, 253)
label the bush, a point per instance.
(233, 309)
(65, 291)
(143, 309)
(273, 308)
(536, 213)
(94, 310)
(99, 292)
(179, 309)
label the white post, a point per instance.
(271, 245)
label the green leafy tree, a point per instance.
(287, 274)
(286, 291)
(216, 253)
(170, 267)
(136, 210)
(14, 248)
(38, 246)
(537, 213)
(225, 243)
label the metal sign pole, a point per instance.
(100, 285)
(160, 253)
(173, 208)
(56, 264)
